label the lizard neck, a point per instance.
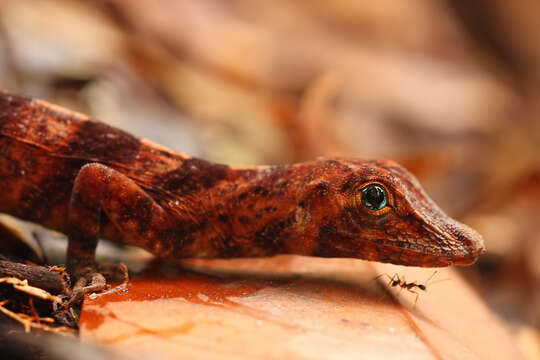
(255, 212)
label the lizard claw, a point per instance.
(91, 280)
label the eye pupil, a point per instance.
(374, 197)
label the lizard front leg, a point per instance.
(98, 190)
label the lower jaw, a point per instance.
(410, 258)
(465, 261)
(439, 261)
(442, 262)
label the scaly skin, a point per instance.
(87, 179)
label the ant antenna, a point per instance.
(434, 282)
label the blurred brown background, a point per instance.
(448, 88)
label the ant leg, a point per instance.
(394, 279)
(401, 283)
(381, 275)
(391, 279)
(416, 296)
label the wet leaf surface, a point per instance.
(292, 307)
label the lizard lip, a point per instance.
(467, 259)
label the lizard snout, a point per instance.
(468, 243)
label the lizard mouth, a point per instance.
(467, 259)
(412, 258)
(461, 260)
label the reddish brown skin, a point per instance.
(88, 179)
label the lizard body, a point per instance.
(87, 179)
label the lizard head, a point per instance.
(377, 210)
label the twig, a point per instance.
(54, 279)
(22, 285)
(28, 323)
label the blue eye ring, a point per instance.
(374, 197)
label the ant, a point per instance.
(396, 280)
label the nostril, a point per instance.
(461, 236)
(467, 236)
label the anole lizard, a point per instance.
(87, 179)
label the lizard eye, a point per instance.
(374, 197)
